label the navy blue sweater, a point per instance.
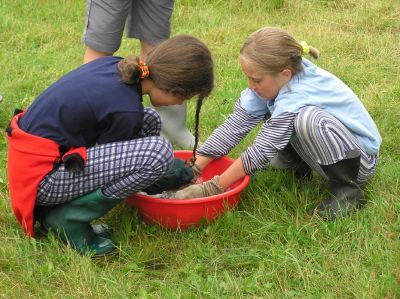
(89, 105)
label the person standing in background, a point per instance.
(148, 21)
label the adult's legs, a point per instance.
(150, 22)
(105, 22)
(174, 127)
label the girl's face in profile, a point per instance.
(160, 97)
(266, 85)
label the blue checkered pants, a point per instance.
(120, 169)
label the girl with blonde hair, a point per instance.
(311, 121)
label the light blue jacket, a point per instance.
(317, 87)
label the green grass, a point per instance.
(270, 246)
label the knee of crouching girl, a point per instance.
(162, 155)
(306, 122)
(151, 122)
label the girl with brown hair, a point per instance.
(87, 142)
(312, 121)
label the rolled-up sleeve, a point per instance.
(274, 136)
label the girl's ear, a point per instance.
(287, 73)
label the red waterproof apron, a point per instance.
(30, 159)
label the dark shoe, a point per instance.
(302, 171)
(71, 222)
(347, 195)
(299, 167)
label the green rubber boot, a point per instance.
(71, 222)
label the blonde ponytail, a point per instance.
(307, 49)
(314, 53)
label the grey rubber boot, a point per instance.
(173, 125)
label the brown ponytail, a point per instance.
(314, 52)
(181, 65)
(129, 69)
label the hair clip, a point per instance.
(144, 69)
(305, 47)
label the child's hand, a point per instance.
(196, 172)
(205, 189)
(178, 175)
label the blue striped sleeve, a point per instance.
(230, 133)
(274, 136)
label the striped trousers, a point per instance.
(120, 169)
(320, 139)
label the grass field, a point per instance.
(270, 246)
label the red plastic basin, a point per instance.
(175, 213)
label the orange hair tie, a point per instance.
(144, 69)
